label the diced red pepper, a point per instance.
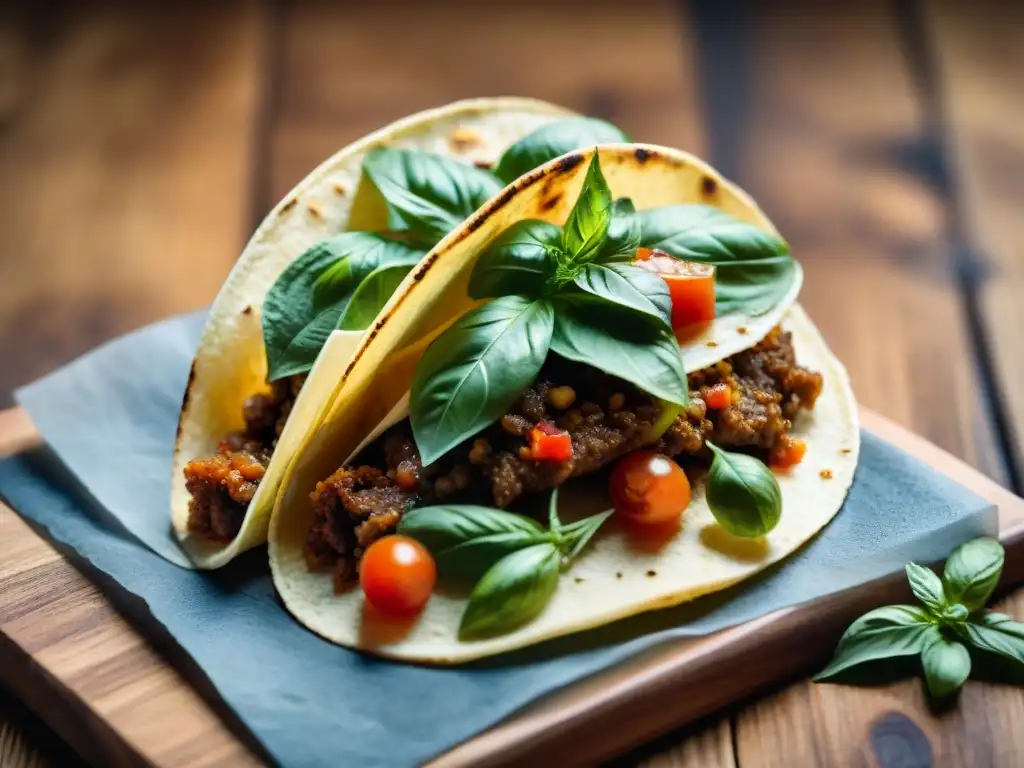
(788, 452)
(549, 443)
(718, 397)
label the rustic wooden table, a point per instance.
(139, 147)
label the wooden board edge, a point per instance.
(621, 708)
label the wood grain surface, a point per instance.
(140, 144)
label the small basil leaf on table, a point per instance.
(512, 592)
(308, 298)
(427, 194)
(742, 493)
(927, 587)
(947, 665)
(996, 633)
(554, 140)
(645, 356)
(895, 630)
(521, 260)
(973, 571)
(631, 288)
(373, 293)
(474, 371)
(587, 226)
(623, 234)
(754, 268)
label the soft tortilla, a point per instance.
(698, 560)
(231, 364)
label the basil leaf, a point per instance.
(954, 614)
(475, 370)
(585, 230)
(427, 194)
(520, 260)
(623, 233)
(443, 526)
(973, 571)
(650, 359)
(631, 288)
(554, 140)
(742, 493)
(927, 587)
(754, 268)
(512, 592)
(996, 633)
(895, 630)
(373, 293)
(947, 665)
(308, 298)
(583, 531)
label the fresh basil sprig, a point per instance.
(553, 294)
(742, 493)
(754, 269)
(513, 559)
(554, 140)
(310, 297)
(944, 631)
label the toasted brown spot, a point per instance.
(708, 186)
(743, 330)
(711, 343)
(551, 202)
(340, 189)
(618, 575)
(825, 474)
(422, 271)
(643, 155)
(652, 573)
(568, 162)
(247, 310)
(845, 451)
(314, 210)
(288, 206)
(484, 164)
(462, 139)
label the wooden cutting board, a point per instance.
(121, 699)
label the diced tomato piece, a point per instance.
(718, 397)
(787, 452)
(549, 443)
(691, 286)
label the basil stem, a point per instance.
(742, 493)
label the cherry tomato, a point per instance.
(397, 575)
(788, 452)
(649, 488)
(691, 286)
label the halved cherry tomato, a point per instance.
(397, 575)
(691, 286)
(718, 397)
(649, 488)
(549, 443)
(788, 452)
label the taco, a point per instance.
(313, 276)
(623, 308)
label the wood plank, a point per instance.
(337, 83)
(124, 169)
(47, 659)
(979, 61)
(833, 146)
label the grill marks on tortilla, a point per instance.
(708, 186)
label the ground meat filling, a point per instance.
(223, 485)
(605, 417)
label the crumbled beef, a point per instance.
(223, 485)
(605, 417)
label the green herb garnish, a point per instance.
(513, 559)
(951, 623)
(742, 493)
(554, 140)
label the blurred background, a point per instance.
(141, 144)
